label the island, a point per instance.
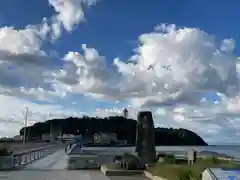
(124, 128)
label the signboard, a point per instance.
(230, 174)
(236, 175)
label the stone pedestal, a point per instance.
(145, 140)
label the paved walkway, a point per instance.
(51, 167)
(132, 177)
(52, 175)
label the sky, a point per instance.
(178, 59)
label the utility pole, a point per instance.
(25, 124)
(28, 134)
(50, 133)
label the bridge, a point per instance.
(45, 163)
(50, 162)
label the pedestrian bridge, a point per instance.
(48, 164)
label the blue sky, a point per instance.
(113, 27)
(198, 41)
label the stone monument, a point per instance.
(145, 137)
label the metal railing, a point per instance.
(70, 149)
(26, 157)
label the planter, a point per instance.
(6, 162)
(119, 172)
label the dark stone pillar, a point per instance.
(145, 140)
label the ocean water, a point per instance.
(233, 151)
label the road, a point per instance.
(51, 167)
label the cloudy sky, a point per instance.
(65, 58)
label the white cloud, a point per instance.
(69, 14)
(26, 69)
(171, 66)
(167, 73)
(228, 45)
(24, 66)
(13, 114)
(25, 41)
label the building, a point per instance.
(18, 138)
(105, 138)
(46, 137)
(66, 137)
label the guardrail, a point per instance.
(70, 149)
(183, 155)
(18, 160)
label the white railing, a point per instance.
(70, 149)
(26, 157)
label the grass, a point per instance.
(110, 166)
(181, 170)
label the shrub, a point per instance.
(128, 156)
(131, 162)
(118, 158)
(185, 175)
(5, 151)
(170, 159)
(212, 160)
(161, 155)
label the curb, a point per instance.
(150, 176)
(108, 172)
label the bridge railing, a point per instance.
(26, 157)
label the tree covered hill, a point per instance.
(124, 128)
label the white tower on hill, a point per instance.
(125, 113)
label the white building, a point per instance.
(125, 113)
(105, 137)
(46, 137)
(18, 138)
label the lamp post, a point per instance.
(25, 124)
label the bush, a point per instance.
(185, 175)
(161, 155)
(118, 158)
(170, 159)
(212, 160)
(128, 156)
(131, 162)
(5, 151)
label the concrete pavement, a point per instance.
(55, 161)
(51, 167)
(52, 175)
(132, 177)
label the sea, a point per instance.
(223, 150)
(233, 151)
